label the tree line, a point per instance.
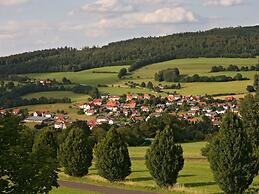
(11, 95)
(139, 52)
(173, 75)
(234, 68)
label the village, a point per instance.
(132, 108)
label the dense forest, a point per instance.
(138, 52)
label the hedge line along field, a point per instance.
(75, 98)
(189, 66)
(103, 75)
(196, 176)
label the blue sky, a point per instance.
(27, 25)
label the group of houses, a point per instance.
(132, 108)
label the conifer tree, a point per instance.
(46, 141)
(231, 157)
(112, 157)
(164, 159)
(76, 154)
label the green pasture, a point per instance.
(192, 66)
(66, 190)
(124, 90)
(196, 176)
(84, 77)
(76, 98)
(71, 109)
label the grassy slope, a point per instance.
(84, 77)
(59, 94)
(199, 66)
(196, 177)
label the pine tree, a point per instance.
(230, 155)
(76, 154)
(164, 159)
(112, 157)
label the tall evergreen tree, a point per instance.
(231, 157)
(75, 153)
(46, 141)
(112, 157)
(164, 159)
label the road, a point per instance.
(100, 189)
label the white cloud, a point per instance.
(12, 2)
(225, 3)
(173, 15)
(108, 6)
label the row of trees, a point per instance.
(234, 68)
(226, 42)
(173, 75)
(255, 86)
(11, 95)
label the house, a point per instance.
(37, 114)
(90, 112)
(145, 108)
(36, 119)
(193, 120)
(129, 97)
(60, 125)
(112, 105)
(85, 106)
(104, 120)
(97, 102)
(146, 96)
(91, 124)
(114, 98)
(131, 105)
(48, 114)
(2, 111)
(16, 111)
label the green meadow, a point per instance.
(59, 94)
(196, 176)
(201, 66)
(103, 75)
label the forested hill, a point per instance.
(227, 42)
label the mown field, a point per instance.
(196, 176)
(76, 98)
(199, 66)
(84, 77)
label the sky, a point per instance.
(28, 25)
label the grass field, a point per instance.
(84, 77)
(76, 98)
(69, 108)
(65, 190)
(199, 66)
(196, 176)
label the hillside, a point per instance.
(227, 42)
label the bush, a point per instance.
(164, 159)
(112, 157)
(230, 155)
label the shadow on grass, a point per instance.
(140, 170)
(186, 175)
(139, 179)
(199, 184)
